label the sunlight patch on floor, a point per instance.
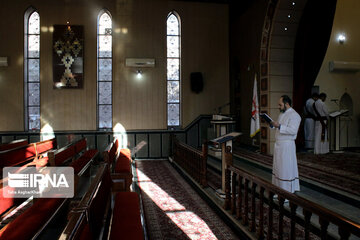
(190, 223)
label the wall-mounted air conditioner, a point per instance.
(3, 61)
(140, 62)
(342, 66)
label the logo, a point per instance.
(47, 182)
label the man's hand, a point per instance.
(275, 124)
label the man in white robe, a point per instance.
(321, 126)
(285, 170)
(309, 123)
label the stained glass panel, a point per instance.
(105, 69)
(172, 25)
(34, 94)
(105, 23)
(32, 70)
(105, 116)
(105, 46)
(105, 92)
(34, 46)
(173, 46)
(173, 114)
(34, 24)
(173, 69)
(34, 118)
(173, 92)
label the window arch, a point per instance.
(104, 70)
(173, 69)
(32, 69)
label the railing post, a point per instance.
(293, 208)
(203, 170)
(245, 219)
(253, 198)
(239, 199)
(227, 189)
(323, 225)
(281, 218)
(307, 216)
(261, 214)
(344, 235)
(270, 216)
(233, 193)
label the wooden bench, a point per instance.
(14, 157)
(120, 162)
(80, 157)
(20, 155)
(74, 154)
(31, 222)
(13, 144)
(91, 218)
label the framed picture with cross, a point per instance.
(68, 56)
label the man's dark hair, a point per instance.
(286, 99)
(315, 95)
(322, 95)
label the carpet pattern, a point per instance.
(173, 210)
(338, 170)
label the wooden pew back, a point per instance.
(92, 210)
(13, 144)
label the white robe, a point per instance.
(285, 171)
(309, 124)
(321, 147)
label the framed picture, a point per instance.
(68, 56)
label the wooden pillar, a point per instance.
(226, 159)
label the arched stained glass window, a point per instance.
(173, 69)
(32, 70)
(104, 70)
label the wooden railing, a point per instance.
(191, 160)
(241, 186)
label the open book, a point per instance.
(338, 113)
(266, 117)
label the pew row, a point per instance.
(80, 157)
(120, 162)
(33, 220)
(93, 218)
(19, 155)
(74, 154)
(29, 154)
(13, 144)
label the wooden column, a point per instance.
(226, 159)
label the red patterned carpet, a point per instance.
(173, 210)
(338, 170)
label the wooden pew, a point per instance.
(80, 157)
(120, 162)
(74, 154)
(20, 155)
(90, 219)
(13, 144)
(31, 222)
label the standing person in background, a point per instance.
(321, 126)
(309, 123)
(285, 170)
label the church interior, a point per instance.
(146, 112)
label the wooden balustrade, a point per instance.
(193, 161)
(239, 184)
